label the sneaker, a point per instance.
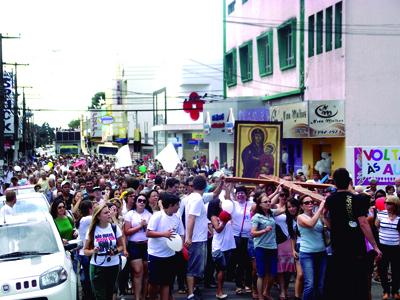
(191, 297)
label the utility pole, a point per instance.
(24, 148)
(2, 100)
(16, 118)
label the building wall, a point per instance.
(262, 16)
(372, 75)
(324, 76)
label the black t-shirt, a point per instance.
(347, 240)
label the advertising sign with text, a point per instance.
(294, 118)
(326, 118)
(380, 163)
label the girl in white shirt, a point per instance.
(135, 227)
(103, 243)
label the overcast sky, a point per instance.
(73, 47)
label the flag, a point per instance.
(168, 158)
(123, 157)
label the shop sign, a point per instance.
(294, 118)
(326, 118)
(198, 136)
(219, 125)
(380, 163)
(8, 78)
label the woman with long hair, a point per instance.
(154, 198)
(85, 212)
(292, 211)
(103, 244)
(264, 237)
(313, 257)
(388, 224)
(65, 224)
(286, 264)
(135, 226)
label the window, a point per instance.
(231, 7)
(328, 29)
(287, 44)
(311, 30)
(246, 61)
(320, 16)
(338, 25)
(264, 51)
(230, 68)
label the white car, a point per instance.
(29, 203)
(34, 263)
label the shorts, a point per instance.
(137, 251)
(197, 259)
(266, 261)
(161, 270)
(221, 259)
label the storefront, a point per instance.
(219, 121)
(313, 133)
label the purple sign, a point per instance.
(254, 114)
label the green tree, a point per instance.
(44, 134)
(96, 100)
(74, 124)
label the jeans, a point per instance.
(242, 262)
(314, 267)
(197, 259)
(85, 277)
(390, 256)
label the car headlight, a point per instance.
(53, 277)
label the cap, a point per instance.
(96, 188)
(65, 182)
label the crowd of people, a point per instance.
(259, 237)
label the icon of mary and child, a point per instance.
(258, 156)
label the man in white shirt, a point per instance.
(8, 208)
(196, 233)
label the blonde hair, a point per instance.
(395, 200)
(94, 223)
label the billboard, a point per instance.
(8, 78)
(380, 163)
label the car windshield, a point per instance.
(28, 205)
(28, 238)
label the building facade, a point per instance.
(320, 67)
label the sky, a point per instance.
(73, 47)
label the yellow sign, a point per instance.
(198, 136)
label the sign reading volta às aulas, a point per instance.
(380, 163)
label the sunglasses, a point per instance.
(388, 202)
(308, 202)
(268, 201)
(141, 200)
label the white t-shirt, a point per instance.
(134, 219)
(161, 222)
(237, 218)
(207, 197)
(195, 206)
(6, 210)
(84, 224)
(104, 238)
(224, 240)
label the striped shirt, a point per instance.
(388, 229)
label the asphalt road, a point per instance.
(209, 294)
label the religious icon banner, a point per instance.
(257, 148)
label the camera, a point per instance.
(112, 251)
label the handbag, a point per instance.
(326, 235)
(280, 235)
